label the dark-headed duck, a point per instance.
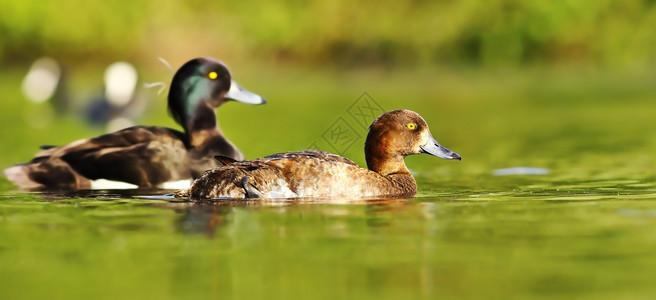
(148, 156)
(311, 173)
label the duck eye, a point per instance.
(212, 75)
(411, 126)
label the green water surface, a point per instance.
(584, 230)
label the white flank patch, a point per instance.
(104, 184)
(176, 185)
(281, 190)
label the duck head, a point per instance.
(397, 134)
(198, 88)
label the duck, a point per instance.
(147, 156)
(318, 174)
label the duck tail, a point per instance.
(18, 174)
(42, 173)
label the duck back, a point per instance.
(308, 173)
(145, 156)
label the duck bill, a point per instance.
(432, 147)
(239, 94)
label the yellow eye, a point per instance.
(411, 126)
(212, 75)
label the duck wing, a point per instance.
(142, 155)
(224, 159)
(308, 173)
(321, 156)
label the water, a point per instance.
(542, 243)
(583, 227)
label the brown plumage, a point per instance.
(312, 173)
(148, 156)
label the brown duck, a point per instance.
(148, 156)
(311, 173)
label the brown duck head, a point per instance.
(397, 134)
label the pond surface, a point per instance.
(457, 244)
(577, 221)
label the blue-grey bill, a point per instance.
(242, 95)
(432, 147)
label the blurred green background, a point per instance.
(568, 86)
(463, 65)
(321, 33)
(497, 32)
